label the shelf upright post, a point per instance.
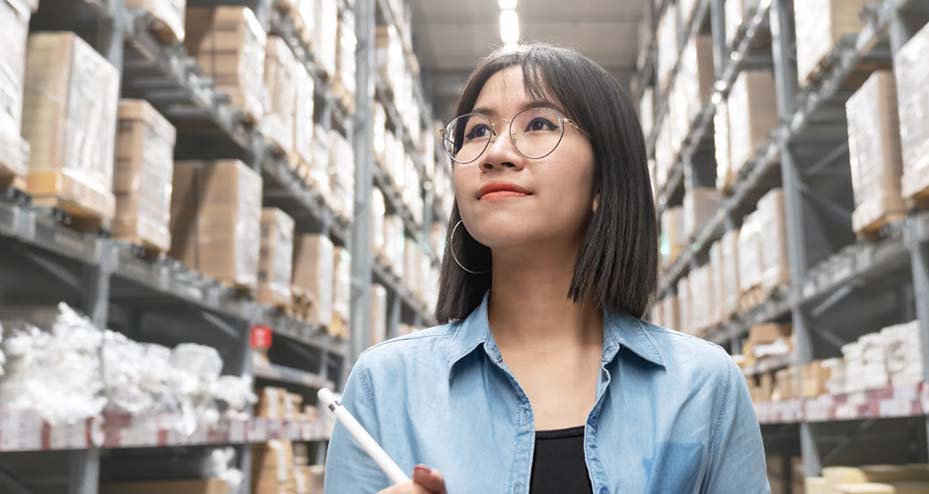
(785, 77)
(718, 30)
(363, 141)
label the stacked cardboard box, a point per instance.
(902, 347)
(721, 139)
(394, 243)
(314, 260)
(874, 152)
(836, 369)
(14, 150)
(215, 219)
(144, 176)
(412, 277)
(700, 204)
(229, 45)
(871, 479)
(667, 37)
(411, 192)
(664, 155)
(378, 211)
(325, 35)
(304, 105)
(193, 486)
(341, 292)
(911, 73)
(679, 111)
(785, 385)
(820, 24)
(280, 79)
(275, 265)
(322, 157)
(673, 240)
(273, 468)
(378, 314)
(685, 305)
(718, 267)
(767, 341)
(701, 299)
(69, 118)
(647, 111)
(670, 310)
(752, 109)
(344, 84)
(749, 247)
(729, 252)
(866, 360)
(341, 175)
(696, 75)
(775, 263)
(815, 378)
(168, 16)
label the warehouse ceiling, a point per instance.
(451, 37)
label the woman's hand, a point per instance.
(425, 481)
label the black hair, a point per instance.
(617, 265)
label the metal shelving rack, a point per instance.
(841, 287)
(165, 302)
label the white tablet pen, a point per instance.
(364, 439)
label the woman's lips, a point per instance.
(501, 195)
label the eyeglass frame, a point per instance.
(443, 132)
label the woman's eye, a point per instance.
(478, 132)
(540, 124)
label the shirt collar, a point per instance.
(620, 331)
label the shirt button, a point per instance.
(604, 490)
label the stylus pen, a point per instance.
(364, 439)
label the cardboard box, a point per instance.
(766, 333)
(874, 152)
(673, 240)
(345, 63)
(819, 25)
(341, 175)
(378, 210)
(216, 218)
(325, 35)
(314, 260)
(322, 156)
(667, 37)
(815, 377)
(770, 214)
(271, 403)
(229, 44)
(700, 204)
(911, 73)
(144, 176)
(697, 75)
(168, 16)
(752, 110)
(342, 285)
(303, 127)
(275, 261)
(14, 150)
(717, 267)
(394, 238)
(724, 176)
(750, 248)
(198, 486)
(280, 80)
(273, 467)
(731, 289)
(69, 119)
(647, 111)
(378, 314)
(684, 301)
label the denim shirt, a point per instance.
(672, 415)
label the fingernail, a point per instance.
(422, 469)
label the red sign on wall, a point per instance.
(261, 337)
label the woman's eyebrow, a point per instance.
(538, 103)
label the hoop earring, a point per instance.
(451, 248)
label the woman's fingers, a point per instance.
(430, 479)
(404, 488)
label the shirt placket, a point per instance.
(591, 431)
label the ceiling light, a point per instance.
(508, 4)
(509, 26)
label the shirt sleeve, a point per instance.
(737, 460)
(349, 470)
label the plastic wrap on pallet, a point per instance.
(378, 314)
(14, 25)
(820, 24)
(667, 37)
(378, 210)
(325, 35)
(53, 371)
(275, 264)
(729, 251)
(752, 115)
(685, 305)
(303, 118)
(647, 110)
(347, 42)
(673, 240)
(724, 175)
(280, 79)
(902, 344)
(912, 74)
(776, 265)
(322, 156)
(749, 246)
(341, 291)
(700, 204)
(229, 45)
(168, 14)
(736, 11)
(215, 219)
(69, 118)
(874, 151)
(313, 273)
(341, 174)
(144, 174)
(393, 236)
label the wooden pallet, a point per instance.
(860, 73)
(346, 98)
(144, 249)
(753, 297)
(71, 215)
(163, 32)
(13, 184)
(301, 303)
(338, 327)
(878, 228)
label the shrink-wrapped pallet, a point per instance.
(275, 265)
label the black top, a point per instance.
(558, 465)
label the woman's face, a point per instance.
(556, 192)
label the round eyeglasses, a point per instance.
(534, 132)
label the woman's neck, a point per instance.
(529, 305)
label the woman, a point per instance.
(543, 378)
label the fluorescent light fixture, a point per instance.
(508, 4)
(509, 26)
